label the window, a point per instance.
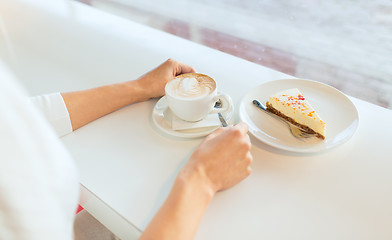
(346, 44)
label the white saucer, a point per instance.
(162, 117)
(335, 108)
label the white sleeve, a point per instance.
(55, 111)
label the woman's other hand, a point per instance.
(153, 83)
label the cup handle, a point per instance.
(226, 103)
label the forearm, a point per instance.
(180, 215)
(87, 105)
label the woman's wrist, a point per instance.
(196, 179)
(181, 213)
(135, 92)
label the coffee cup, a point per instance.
(192, 96)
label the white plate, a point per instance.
(335, 108)
(162, 117)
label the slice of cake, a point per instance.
(291, 105)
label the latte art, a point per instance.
(191, 86)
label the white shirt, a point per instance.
(39, 187)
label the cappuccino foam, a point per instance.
(190, 86)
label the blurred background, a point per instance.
(344, 43)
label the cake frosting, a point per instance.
(292, 105)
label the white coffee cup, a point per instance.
(192, 96)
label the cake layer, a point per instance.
(293, 106)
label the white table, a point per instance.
(127, 166)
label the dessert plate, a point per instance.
(162, 117)
(335, 108)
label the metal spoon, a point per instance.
(223, 121)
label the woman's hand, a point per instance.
(153, 83)
(223, 159)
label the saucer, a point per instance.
(162, 117)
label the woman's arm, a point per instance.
(88, 105)
(222, 160)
